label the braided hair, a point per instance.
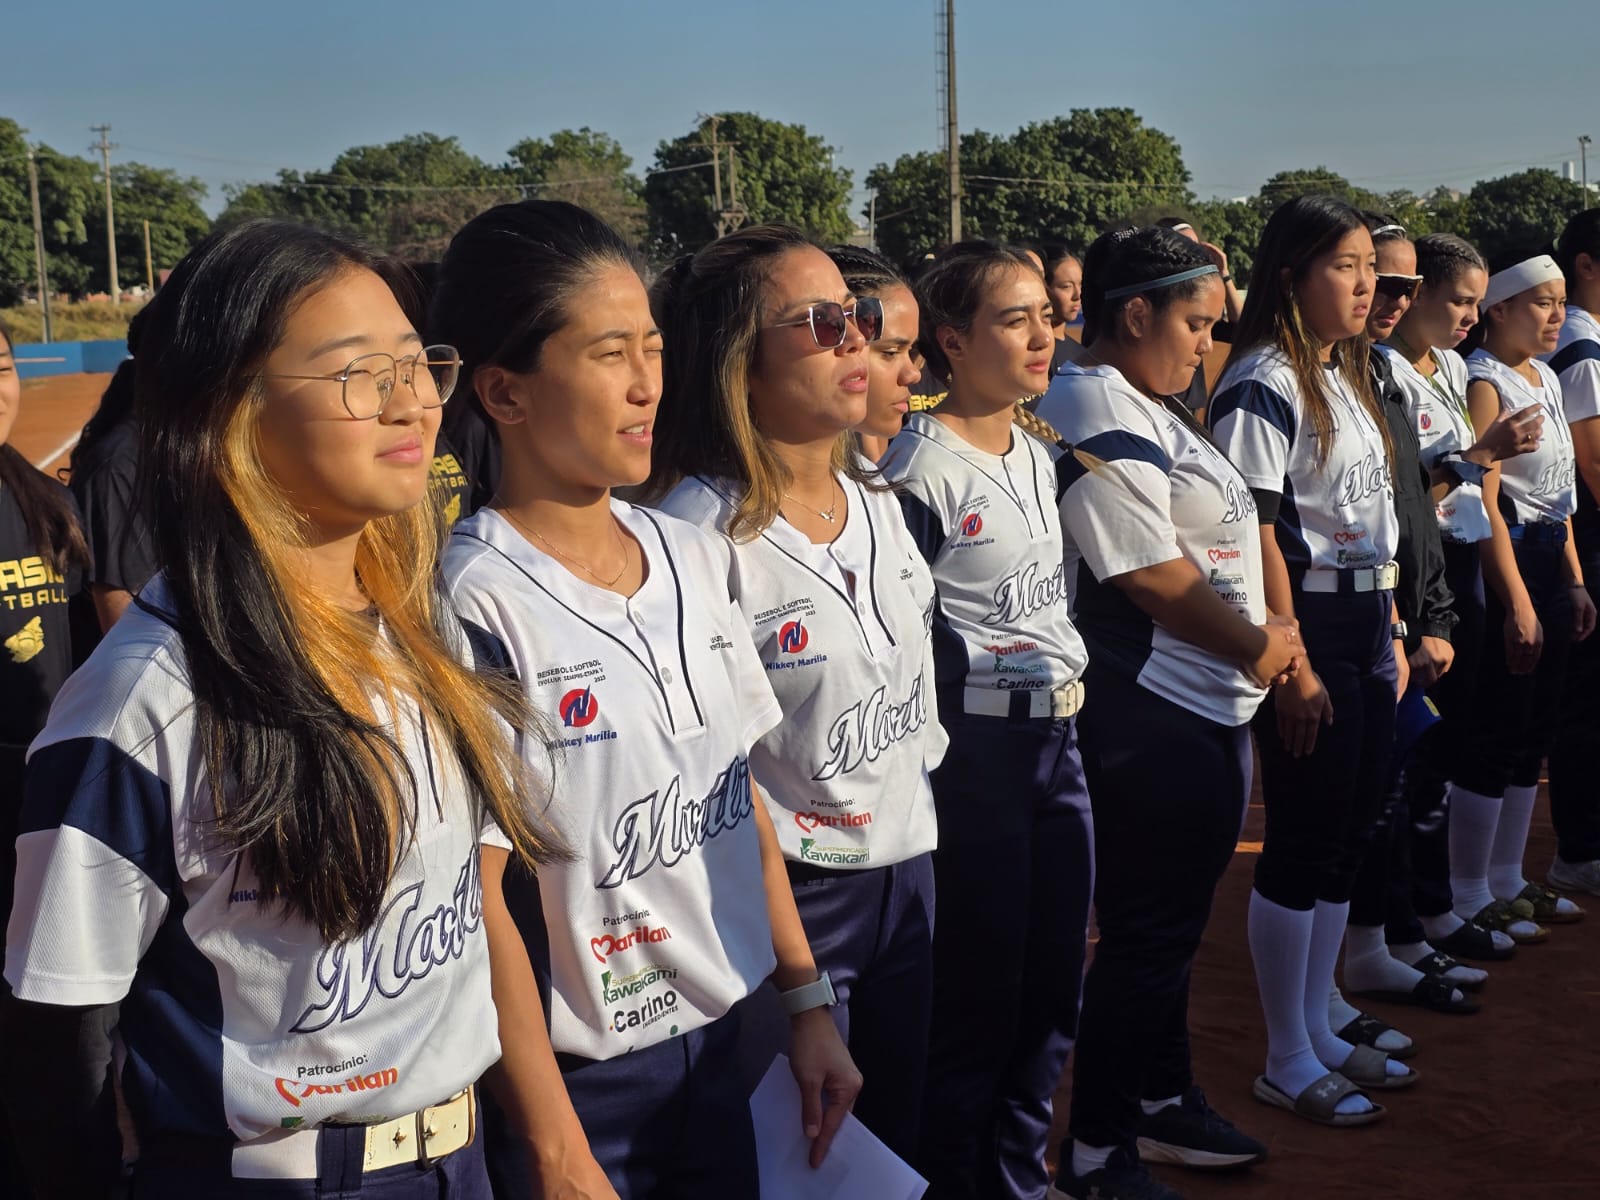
(1443, 258)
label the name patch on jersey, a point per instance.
(404, 946)
(661, 829)
(864, 731)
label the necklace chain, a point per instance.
(578, 562)
(828, 516)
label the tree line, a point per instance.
(1060, 180)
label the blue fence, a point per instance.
(69, 358)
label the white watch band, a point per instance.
(808, 996)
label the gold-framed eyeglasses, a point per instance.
(368, 381)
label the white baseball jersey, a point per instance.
(1438, 407)
(987, 524)
(660, 925)
(1576, 362)
(843, 631)
(1542, 484)
(235, 1017)
(1334, 515)
(1164, 492)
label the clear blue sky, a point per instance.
(1403, 94)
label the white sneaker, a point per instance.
(1574, 877)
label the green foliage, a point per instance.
(784, 174)
(74, 321)
(585, 168)
(1519, 213)
(170, 202)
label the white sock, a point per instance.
(1152, 1107)
(1280, 939)
(1506, 880)
(1415, 952)
(1341, 1012)
(1368, 965)
(1440, 927)
(1474, 818)
(1088, 1158)
(1327, 931)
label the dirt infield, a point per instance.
(53, 411)
(1509, 1103)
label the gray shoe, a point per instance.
(1575, 877)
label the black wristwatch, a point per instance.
(1398, 631)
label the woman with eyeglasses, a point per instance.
(893, 360)
(1575, 754)
(1014, 863)
(1295, 412)
(1536, 607)
(768, 370)
(1164, 565)
(254, 815)
(621, 1068)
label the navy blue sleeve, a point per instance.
(927, 530)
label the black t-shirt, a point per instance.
(450, 482)
(35, 631)
(104, 482)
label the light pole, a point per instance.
(1583, 171)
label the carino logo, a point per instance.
(793, 638)
(971, 525)
(297, 1092)
(579, 708)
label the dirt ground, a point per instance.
(1509, 1103)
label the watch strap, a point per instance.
(819, 994)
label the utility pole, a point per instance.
(711, 123)
(1583, 157)
(872, 221)
(952, 129)
(149, 270)
(105, 146)
(39, 264)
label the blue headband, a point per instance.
(1150, 285)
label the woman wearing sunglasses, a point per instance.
(1537, 605)
(1014, 865)
(1295, 412)
(254, 816)
(618, 622)
(767, 373)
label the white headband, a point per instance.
(1529, 273)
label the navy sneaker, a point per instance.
(1193, 1134)
(1122, 1178)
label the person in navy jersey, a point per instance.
(620, 625)
(837, 600)
(287, 416)
(1163, 565)
(1537, 606)
(1575, 753)
(1014, 864)
(43, 557)
(1295, 411)
(1420, 352)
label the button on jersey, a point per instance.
(660, 924)
(987, 525)
(1540, 485)
(235, 1017)
(1334, 514)
(1438, 408)
(1156, 490)
(842, 630)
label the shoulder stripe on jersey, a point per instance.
(1254, 397)
(621, 645)
(90, 784)
(972, 466)
(489, 653)
(926, 529)
(677, 587)
(1114, 445)
(1582, 350)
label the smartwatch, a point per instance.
(808, 996)
(1398, 631)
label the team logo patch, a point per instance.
(579, 708)
(793, 638)
(1425, 421)
(26, 643)
(972, 525)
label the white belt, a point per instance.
(1063, 701)
(1381, 578)
(421, 1137)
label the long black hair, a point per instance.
(1130, 257)
(48, 516)
(293, 696)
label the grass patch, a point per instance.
(80, 321)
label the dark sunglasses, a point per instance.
(1399, 287)
(828, 321)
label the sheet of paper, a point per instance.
(858, 1167)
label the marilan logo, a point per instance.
(604, 946)
(296, 1092)
(809, 821)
